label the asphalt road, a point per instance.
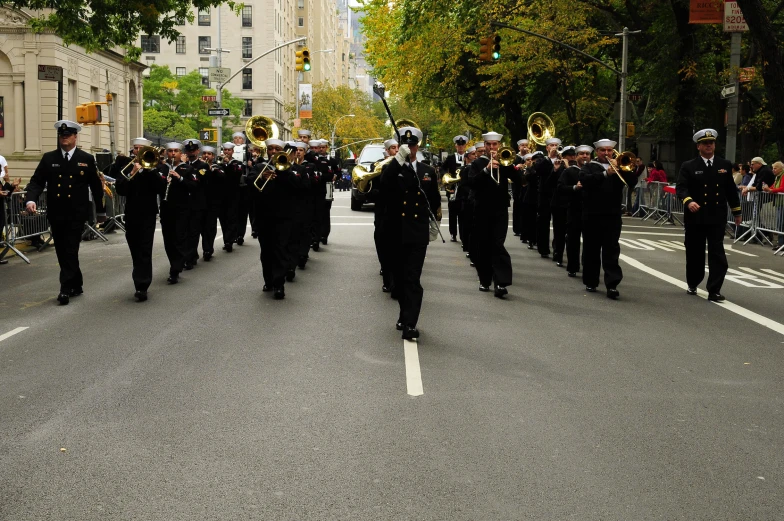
(212, 401)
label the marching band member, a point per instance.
(213, 193)
(451, 164)
(321, 217)
(559, 207)
(412, 196)
(706, 216)
(175, 210)
(239, 147)
(245, 204)
(489, 180)
(198, 199)
(518, 190)
(334, 164)
(466, 198)
(300, 199)
(307, 171)
(304, 135)
(602, 221)
(232, 173)
(569, 182)
(68, 174)
(547, 170)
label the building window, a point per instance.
(181, 21)
(247, 47)
(180, 46)
(247, 79)
(180, 71)
(151, 43)
(247, 16)
(301, 4)
(248, 110)
(205, 76)
(204, 44)
(301, 22)
(204, 17)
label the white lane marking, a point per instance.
(413, 374)
(12, 333)
(778, 277)
(746, 313)
(733, 250)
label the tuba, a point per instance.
(540, 128)
(405, 123)
(259, 129)
(361, 176)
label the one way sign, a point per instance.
(218, 112)
(728, 91)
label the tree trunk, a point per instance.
(768, 44)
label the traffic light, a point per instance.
(496, 55)
(630, 129)
(88, 114)
(490, 48)
(303, 60)
(208, 134)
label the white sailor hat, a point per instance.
(553, 141)
(605, 143)
(409, 136)
(320, 142)
(522, 142)
(570, 150)
(527, 156)
(303, 132)
(460, 140)
(228, 145)
(238, 134)
(492, 136)
(66, 127)
(208, 148)
(274, 143)
(706, 134)
(584, 148)
(479, 144)
(141, 142)
(191, 144)
(391, 142)
(300, 144)
(173, 146)
(470, 150)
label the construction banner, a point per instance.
(305, 101)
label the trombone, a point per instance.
(625, 162)
(506, 157)
(280, 161)
(147, 157)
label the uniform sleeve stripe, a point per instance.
(736, 209)
(687, 199)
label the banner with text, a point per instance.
(706, 11)
(305, 101)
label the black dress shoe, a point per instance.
(613, 294)
(324, 241)
(254, 235)
(228, 248)
(141, 296)
(691, 291)
(301, 264)
(279, 294)
(716, 297)
(531, 246)
(410, 332)
(590, 289)
(3, 261)
(559, 264)
(500, 292)
(290, 274)
(484, 288)
(75, 292)
(207, 256)
(545, 255)
(385, 289)
(572, 273)
(467, 255)
(266, 288)
(240, 241)
(173, 279)
(453, 239)
(517, 235)
(187, 267)
(63, 299)
(399, 326)
(472, 265)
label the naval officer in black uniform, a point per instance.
(451, 164)
(412, 198)
(68, 174)
(705, 186)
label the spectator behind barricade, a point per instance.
(737, 173)
(657, 173)
(745, 170)
(3, 168)
(5, 194)
(761, 175)
(778, 202)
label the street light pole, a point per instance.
(334, 128)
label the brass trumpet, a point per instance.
(280, 161)
(625, 162)
(448, 180)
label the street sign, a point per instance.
(729, 91)
(219, 74)
(209, 98)
(734, 22)
(746, 74)
(50, 73)
(218, 112)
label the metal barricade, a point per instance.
(640, 207)
(770, 216)
(115, 210)
(656, 204)
(23, 225)
(749, 207)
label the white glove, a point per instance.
(403, 153)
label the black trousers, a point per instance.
(385, 253)
(174, 226)
(408, 262)
(274, 243)
(559, 233)
(318, 215)
(528, 225)
(601, 250)
(466, 224)
(543, 228)
(195, 224)
(325, 223)
(454, 211)
(493, 263)
(306, 233)
(140, 234)
(228, 217)
(574, 230)
(696, 237)
(67, 235)
(244, 211)
(209, 228)
(517, 215)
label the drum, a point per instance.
(330, 192)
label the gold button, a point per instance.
(60, 176)
(717, 193)
(419, 193)
(406, 191)
(69, 196)
(58, 195)
(417, 204)
(69, 186)
(70, 177)
(58, 185)
(405, 202)
(415, 216)
(403, 214)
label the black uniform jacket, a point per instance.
(179, 190)
(566, 194)
(142, 191)
(711, 188)
(602, 192)
(489, 195)
(198, 171)
(407, 196)
(277, 202)
(67, 185)
(548, 179)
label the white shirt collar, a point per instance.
(706, 159)
(70, 153)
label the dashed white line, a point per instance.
(413, 374)
(12, 333)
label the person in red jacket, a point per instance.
(778, 202)
(657, 173)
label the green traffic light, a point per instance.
(307, 66)
(496, 55)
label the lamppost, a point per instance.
(334, 128)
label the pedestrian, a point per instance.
(737, 174)
(706, 187)
(69, 175)
(761, 175)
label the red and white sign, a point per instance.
(734, 22)
(209, 98)
(50, 73)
